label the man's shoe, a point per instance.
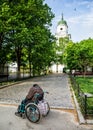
(23, 115)
(18, 114)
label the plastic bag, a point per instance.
(43, 107)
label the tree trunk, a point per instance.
(85, 70)
(92, 69)
(1, 40)
(30, 68)
(29, 57)
(18, 56)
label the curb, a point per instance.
(80, 116)
(4, 86)
(17, 82)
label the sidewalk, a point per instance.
(56, 120)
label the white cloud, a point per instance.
(85, 2)
(84, 19)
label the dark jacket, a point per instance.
(34, 90)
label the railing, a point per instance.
(85, 99)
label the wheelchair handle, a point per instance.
(46, 92)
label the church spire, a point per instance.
(62, 17)
(62, 21)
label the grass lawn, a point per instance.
(85, 83)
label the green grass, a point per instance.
(85, 83)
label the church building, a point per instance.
(61, 32)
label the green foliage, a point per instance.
(25, 32)
(79, 55)
(60, 49)
(70, 55)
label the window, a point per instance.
(61, 28)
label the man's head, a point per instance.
(35, 85)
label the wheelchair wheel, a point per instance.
(32, 112)
(48, 109)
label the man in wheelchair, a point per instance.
(35, 89)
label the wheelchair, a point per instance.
(31, 110)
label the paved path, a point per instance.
(59, 96)
(57, 86)
(56, 120)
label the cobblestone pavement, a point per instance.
(57, 86)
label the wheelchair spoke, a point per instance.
(33, 113)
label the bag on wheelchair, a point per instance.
(43, 107)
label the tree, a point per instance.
(60, 49)
(86, 54)
(70, 55)
(42, 51)
(23, 22)
(79, 55)
(4, 29)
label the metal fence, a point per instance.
(85, 99)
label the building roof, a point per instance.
(62, 21)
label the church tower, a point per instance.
(61, 33)
(62, 29)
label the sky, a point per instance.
(78, 15)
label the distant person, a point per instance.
(30, 97)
